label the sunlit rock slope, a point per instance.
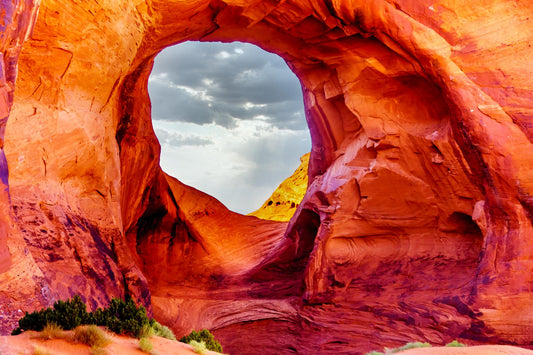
(284, 201)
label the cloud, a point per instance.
(274, 157)
(174, 139)
(224, 83)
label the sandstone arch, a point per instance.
(419, 173)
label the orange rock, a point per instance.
(416, 223)
(21, 281)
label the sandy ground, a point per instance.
(25, 344)
(471, 350)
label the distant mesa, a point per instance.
(284, 201)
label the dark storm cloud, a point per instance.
(177, 104)
(222, 83)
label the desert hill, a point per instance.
(282, 204)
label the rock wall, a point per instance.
(416, 224)
(21, 281)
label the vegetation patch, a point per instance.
(146, 345)
(38, 350)
(91, 335)
(51, 331)
(411, 346)
(204, 336)
(98, 351)
(121, 317)
(163, 331)
(198, 347)
(455, 344)
(408, 346)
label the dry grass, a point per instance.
(147, 331)
(163, 331)
(98, 351)
(146, 345)
(38, 350)
(91, 335)
(198, 347)
(51, 331)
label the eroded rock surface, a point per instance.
(416, 224)
(21, 281)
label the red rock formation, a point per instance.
(282, 204)
(21, 281)
(417, 221)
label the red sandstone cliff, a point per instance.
(416, 224)
(21, 280)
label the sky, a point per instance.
(229, 118)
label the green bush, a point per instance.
(455, 344)
(145, 345)
(147, 331)
(163, 331)
(204, 336)
(401, 348)
(67, 314)
(414, 345)
(198, 347)
(122, 316)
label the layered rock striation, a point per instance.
(416, 223)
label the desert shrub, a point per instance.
(401, 348)
(163, 331)
(35, 321)
(122, 316)
(17, 331)
(98, 351)
(38, 350)
(70, 313)
(147, 331)
(67, 314)
(145, 345)
(414, 345)
(455, 344)
(204, 336)
(91, 335)
(51, 331)
(198, 347)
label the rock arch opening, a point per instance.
(415, 176)
(230, 121)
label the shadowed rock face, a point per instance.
(416, 224)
